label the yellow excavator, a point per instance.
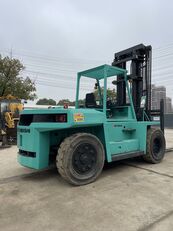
(10, 108)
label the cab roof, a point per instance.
(100, 71)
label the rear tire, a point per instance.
(80, 158)
(155, 146)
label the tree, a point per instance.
(45, 101)
(81, 102)
(63, 101)
(70, 103)
(111, 94)
(11, 83)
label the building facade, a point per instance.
(158, 93)
(168, 105)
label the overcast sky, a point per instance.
(55, 39)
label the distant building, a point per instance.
(158, 93)
(168, 105)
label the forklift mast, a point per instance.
(139, 58)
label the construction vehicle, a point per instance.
(80, 140)
(10, 108)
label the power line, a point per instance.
(56, 59)
(46, 83)
(73, 60)
(67, 66)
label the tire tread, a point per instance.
(64, 146)
(148, 156)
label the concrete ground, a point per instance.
(129, 195)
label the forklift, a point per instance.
(80, 140)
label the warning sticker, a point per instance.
(78, 117)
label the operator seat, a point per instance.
(90, 101)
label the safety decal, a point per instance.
(78, 117)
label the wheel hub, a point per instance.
(84, 158)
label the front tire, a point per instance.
(80, 158)
(155, 146)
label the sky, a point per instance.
(56, 39)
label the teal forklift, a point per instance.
(80, 140)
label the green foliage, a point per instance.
(111, 94)
(81, 101)
(70, 103)
(10, 81)
(63, 101)
(45, 101)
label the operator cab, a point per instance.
(103, 97)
